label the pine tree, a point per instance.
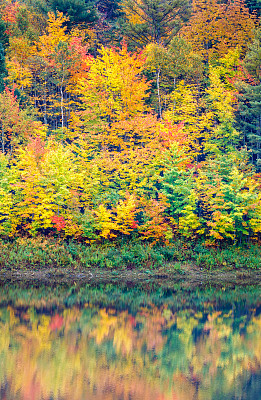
(78, 11)
(254, 7)
(154, 20)
(249, 109)
(3, 44)
(249, 118)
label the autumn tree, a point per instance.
(168, 65)
(112, 93)
(6, 195)
(222, 102)
(46, 191)
(229, 199)
(188, 109)
(216, 27)
(45, 70)
(16, 124)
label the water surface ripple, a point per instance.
(148, 341)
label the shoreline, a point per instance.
(187, 274)
(192, 263)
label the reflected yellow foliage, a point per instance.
(156, 354)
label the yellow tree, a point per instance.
(47, 188)
(20, 51)
(45, 69)
(216, 27)
(185, 107)
(114, 88)
(222, 101)
(113, 95)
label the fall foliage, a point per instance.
(130, 122)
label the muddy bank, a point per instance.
(187, 274)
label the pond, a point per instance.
(148, 340)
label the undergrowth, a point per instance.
(45, 253)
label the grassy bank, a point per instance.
(39, 253)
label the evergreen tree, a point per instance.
(107, 29)
(3, 44)
(111, 9)
(3, 71)
(249, 119)
(154, 20)
(79, 11)
(249, 109)
(254, 7)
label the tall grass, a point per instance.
(48, 253)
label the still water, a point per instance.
(125, 341)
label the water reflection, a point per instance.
(155, 352)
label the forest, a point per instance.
(131, 120)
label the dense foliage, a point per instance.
(130, 120)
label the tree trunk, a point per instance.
(158, 91)
(62, 101)
(3, 141)
(45, 115)
(62, 112)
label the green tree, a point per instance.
(249, 109)
(108, 29)
(153, 20)
(178, 185)
(230, 200)
(3, 71)
(4, 41)
(169, 64)
(249, 119)
(252, 59)
(79, 11)
(254, 7)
